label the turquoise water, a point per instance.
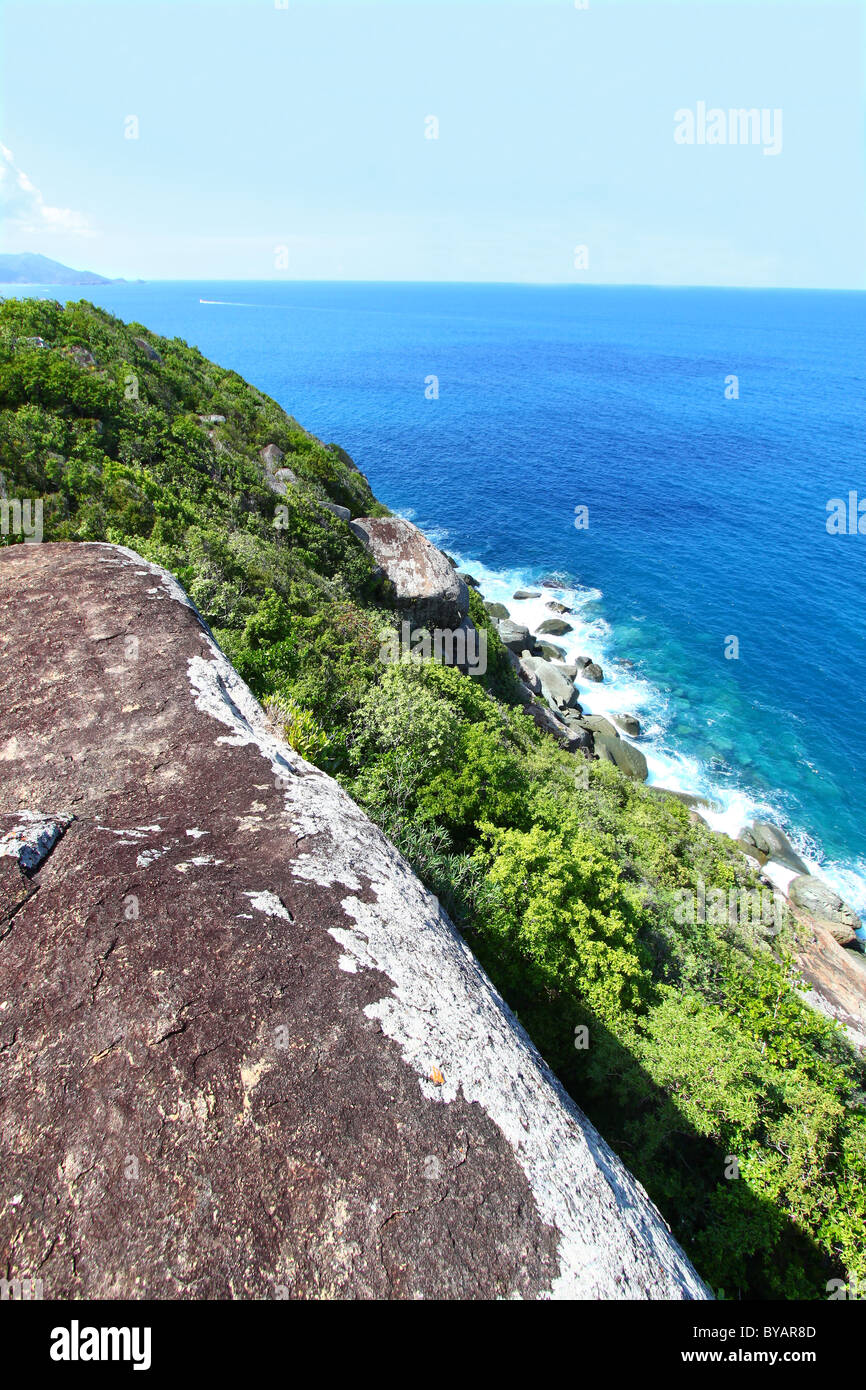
(706, 514)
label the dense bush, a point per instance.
(738, 1107)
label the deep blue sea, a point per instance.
(707, 515)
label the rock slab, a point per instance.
(245, 1054)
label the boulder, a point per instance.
(549, 651)
(342, 512)
(82, 355)
(526, 593)
(824, 904)
(148, 349)
(271, 456)
(556, 607)
(775, 844)
(599, 725)
(469, 579)
(244, 1054)
(752, 852)
(572, 740)
(624, 755)
(628, 723)
(527, 673)
(555, 687)
(497, 610)
(425, 584)
(555, 627)
(278, 478)
(515, 636)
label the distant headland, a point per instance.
(29, 268)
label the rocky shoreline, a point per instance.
(431, 589)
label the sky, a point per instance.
(540, 142)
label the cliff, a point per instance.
(244, 1051)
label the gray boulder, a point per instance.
(148, 349)
(425, 584)
(514, 635)
(599, 725)
(627, 723)
(823, 903)
(497, 610)
(271, 456)
(775, 844)
(556, 627)
(526, 593)
(572, 740)
(556, 607)
(526, 672)
(342, 512)
(555, 687)
(624, 755)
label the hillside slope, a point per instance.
(244, 1050)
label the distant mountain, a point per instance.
(27, 268)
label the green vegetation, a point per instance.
(701, 1058)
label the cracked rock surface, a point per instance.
(243, 1052)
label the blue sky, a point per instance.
(303, 128)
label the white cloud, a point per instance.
(23, 207)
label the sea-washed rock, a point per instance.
(497, 610)
(752, 852)
(628, 723)
(824, 904)
(526, 593)
(599, 725)
(558, 607)
(550, 651)
(588, 669)
(425, 584)
(775, 844)
(555, 687)
(555, 627)
(624, 755)
(469, 579)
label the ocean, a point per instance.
(704, 431)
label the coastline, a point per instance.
(625, 690)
